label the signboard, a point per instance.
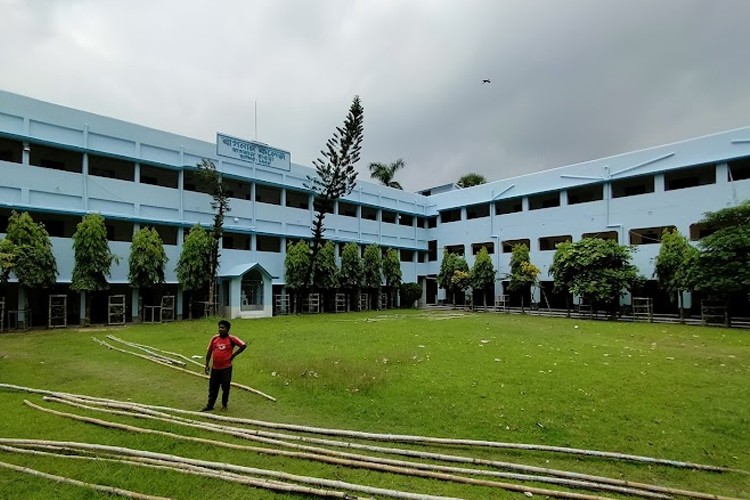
(252, 152)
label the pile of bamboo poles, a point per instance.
(300, 442)
(161, 357)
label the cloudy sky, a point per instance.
(571, 80)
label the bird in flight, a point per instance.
(486, 80)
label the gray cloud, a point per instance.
(571, 80)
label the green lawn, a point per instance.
(666, 391)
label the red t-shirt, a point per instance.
(221, 350)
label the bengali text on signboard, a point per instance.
(253, 152)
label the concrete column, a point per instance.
(82, 308)
(26, 154)
(134, 309)
(21, 319)
(85, 177)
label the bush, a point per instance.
(409, 293)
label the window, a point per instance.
(119, 230)
(477, 247)
(11, 150)
(739, 169)
(406, 255)
(585, 194)
(509, 244)
(168, 234)
(388, 216)
(102, 166)
(544, 200)
(57, 225)
(369, 213)
(450, 215)
(690, 177)
(158, 176)
(550, 242)
(605, 235)
(236, 241)
(648, 235)
(405, 220)
(455, 249)
(4, 214)
(267, 194)
(509, 206)
(298, 199)
(477, 211)
(700, 231)
(57, 159)
(347, 209)
(431, 222)
(268, 244)
(633, 186)
(432, 255)
(237, 189)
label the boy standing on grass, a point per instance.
(221, 350)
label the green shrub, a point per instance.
(409, 293)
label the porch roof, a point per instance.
(236, 270)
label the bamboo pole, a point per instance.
(404, 438)
(150, 352)
(413, 453)
(192, 470)
(350, 463)
(585, 481)
(424, 439)
(177, 354)
(92, 486)
(366, 461)
(240, 469)
(154, 360)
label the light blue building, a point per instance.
(59, 163)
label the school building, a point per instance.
(59, 164)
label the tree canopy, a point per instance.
(26, 251)
(482, 274)
(373, 262)
(220, 205)
(597, 269)
(392, 274)
(471, 179)
(93, 258)
(450, 264)
(336, 174)
(723, 265)
(296, 265)
(386, 172)
(352, 274)
(392, 268)
(194, 266)
(326, 271)
(672, 265)
(523, 274)
(147, 259)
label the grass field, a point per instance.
(668, 391)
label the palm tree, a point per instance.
(472, 179)
(386, 172)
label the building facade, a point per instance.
(59, 164)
